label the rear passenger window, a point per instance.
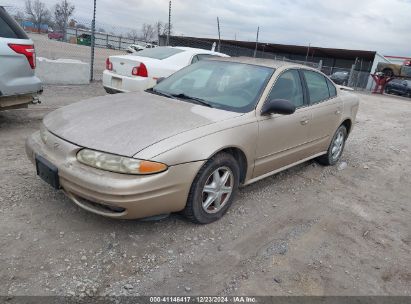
(10, 28)
(5, 30)
(195, 59)
(317, 86)
(331, 88)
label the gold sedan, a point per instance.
(188, 143)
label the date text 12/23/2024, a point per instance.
(203, 299)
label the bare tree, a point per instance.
(19, 17)
(62, 12)
(162, 28)
(37, 13)
(133, 34)
(148, 31)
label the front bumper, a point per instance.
(112, 194)
(126, 84)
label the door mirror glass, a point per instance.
(278, 106)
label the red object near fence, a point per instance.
(380, 82)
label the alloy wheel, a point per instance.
(217, 190)
(337, 145)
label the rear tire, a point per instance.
(335, 149)
(213, 189)
(109, 91)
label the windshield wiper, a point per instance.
(160, 93)
(195, 99)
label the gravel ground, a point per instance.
(53, 49)
(311, 230)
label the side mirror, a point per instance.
(160, 79)
(278, 106)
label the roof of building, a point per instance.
(292, 49)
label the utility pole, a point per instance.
(219, 37)
(158, 33)
(256, 42)
(308, 51)
(93, 32)
(169, 23)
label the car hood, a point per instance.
(125, 124)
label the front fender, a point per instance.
(243, 137)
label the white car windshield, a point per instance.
(230, 86)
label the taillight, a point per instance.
(109, 64)
(26, 50)
(140, 70)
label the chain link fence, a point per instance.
(74, 42)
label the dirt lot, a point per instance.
(307, 231)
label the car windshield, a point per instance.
(158, 53)
(229, 86)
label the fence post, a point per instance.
(320, 65)
(93, 33)
(350, 78)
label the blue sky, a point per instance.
(377, 25)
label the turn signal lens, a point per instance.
(119, 164)
(147, 167)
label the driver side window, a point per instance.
(288, 86)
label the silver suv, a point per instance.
(18, 84)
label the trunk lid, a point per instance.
(123, 65)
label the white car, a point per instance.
(140, 71)
(132, 48)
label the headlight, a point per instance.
(119, 164)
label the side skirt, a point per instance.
(256, 179)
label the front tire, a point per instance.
(335, 149)
(213, 189)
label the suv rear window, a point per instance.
(9, 28)
(158, 52)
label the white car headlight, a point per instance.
(119, 164)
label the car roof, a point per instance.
(196, 50)
(271, 63)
